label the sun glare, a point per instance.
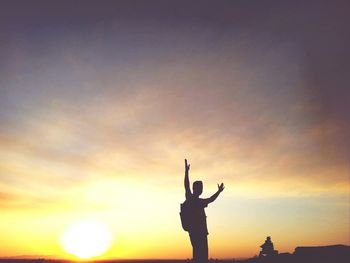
(86, 239)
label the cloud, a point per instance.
(230, 116)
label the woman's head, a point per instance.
(197, 188)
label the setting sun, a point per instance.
(86, 239)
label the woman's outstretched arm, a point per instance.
(187, 180)
(221, 188)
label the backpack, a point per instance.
(185, 216)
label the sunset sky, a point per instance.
(101, 101)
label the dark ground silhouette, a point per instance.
(321, 254)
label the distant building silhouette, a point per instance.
(193, 216)
(317, 254)
(335, 253)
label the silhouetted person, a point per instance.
(195, 218)
(267, 248)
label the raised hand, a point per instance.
(187, 166)
(221, 187)
(187, 180)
